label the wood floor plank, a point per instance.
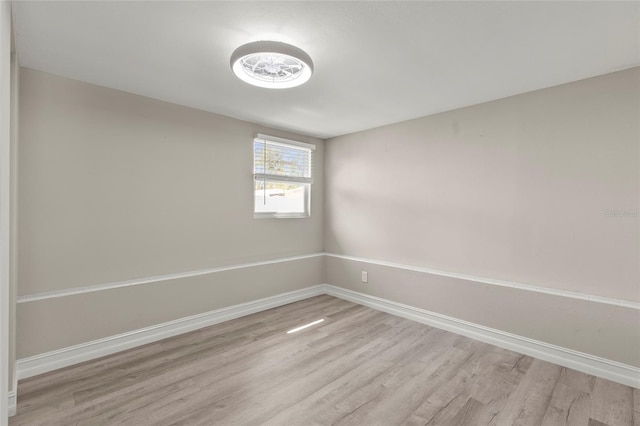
(467, 415)
(448, 393)
(501, 373)
(357, 367)
(568, 406)
(573, 379)
(612, 403)
(529, 403)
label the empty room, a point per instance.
(312, 213)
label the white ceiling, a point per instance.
(376, 63)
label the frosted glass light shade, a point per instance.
(271, 64)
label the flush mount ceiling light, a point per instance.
(271, 64)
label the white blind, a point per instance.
(280, 159)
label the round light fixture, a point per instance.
(271, 64)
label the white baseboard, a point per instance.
(11, 406)
(49, 361)
(590, 364)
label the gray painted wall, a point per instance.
(114, 186)
(516, 189)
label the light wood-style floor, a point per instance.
(358, 367)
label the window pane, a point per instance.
(280, 197)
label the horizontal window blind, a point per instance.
(277, 159)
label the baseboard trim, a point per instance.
(12, 404)
(49, 361)
(580, 361)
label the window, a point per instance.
(282, 174)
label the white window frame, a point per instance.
(307, 182)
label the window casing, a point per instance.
(282, 171)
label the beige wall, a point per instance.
(514, 190)
(114, 186)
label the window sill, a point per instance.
(280, 215)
